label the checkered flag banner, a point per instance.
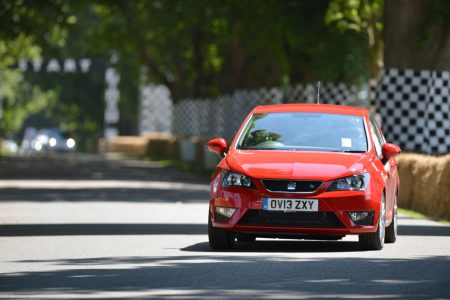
(414, 107)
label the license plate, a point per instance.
(290, 204)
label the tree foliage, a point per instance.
(198, 48)
(417, 34)
(27, 25)
(24, 27)
(206, 47)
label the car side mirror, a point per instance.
(218, 146)
(390, 150)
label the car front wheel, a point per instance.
(375, 240)
(219, 239)
(391, 230)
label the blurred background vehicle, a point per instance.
(48, 141)
(53, 140)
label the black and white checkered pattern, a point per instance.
(155, 109)
(221, 116)
(414, 107)
(330, 93)
(224, 115)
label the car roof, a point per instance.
(317, 108)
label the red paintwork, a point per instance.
(326, 166)
(217, 146)
(296, 164)
(390, 150)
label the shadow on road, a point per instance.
(100, 229)
(282, 246)
(90, 167)
(245, 276)
(152, 229)
(102, 194)
(417, 230)
(95, 170)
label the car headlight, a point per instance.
(70, 142)
(357, 182)
(231, 178)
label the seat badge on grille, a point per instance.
(291, 186)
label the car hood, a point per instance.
(296, 164)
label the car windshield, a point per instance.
(302, 131)
(57, 134)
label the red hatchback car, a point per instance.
(306, 171)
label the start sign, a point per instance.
(69, 65)
(84, 65)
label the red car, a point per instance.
(307, 171)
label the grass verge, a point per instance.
(420, 216)
(181, 165)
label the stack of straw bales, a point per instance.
(425, 184)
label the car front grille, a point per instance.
(321, 219)
(291, 186)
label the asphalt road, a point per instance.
(84, 227)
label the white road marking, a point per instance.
(101, 184)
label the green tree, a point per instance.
(417, 34)
(24, 26)
(203, 48)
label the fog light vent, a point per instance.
(363, 218)
(222, 214)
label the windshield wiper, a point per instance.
(258, 148)
(350, 151)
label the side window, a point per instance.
(376, 136)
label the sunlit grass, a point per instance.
(420, 216)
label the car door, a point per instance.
(390, 168)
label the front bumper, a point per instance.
(331, 219)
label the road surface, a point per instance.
(86, 227)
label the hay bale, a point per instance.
(425, 184)
(159, 144)
(156, 135)
(156, 147)
(173, 150)
(130, 145)
(163, 146)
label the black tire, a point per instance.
(219, 239)
(391, 230)
(375, 240)
(246, 238)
